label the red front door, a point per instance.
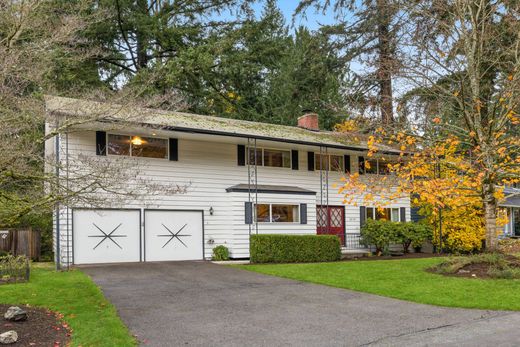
(331, 221)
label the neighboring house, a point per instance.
(511, 205)
(291, 187)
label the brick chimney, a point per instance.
(309, 121)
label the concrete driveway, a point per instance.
(203, 304)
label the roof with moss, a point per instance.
(195, 123)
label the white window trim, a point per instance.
(262, 156)
(271, 212)
(130, 152)
(391, 208)
(329, 161)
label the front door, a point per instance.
(331, 221)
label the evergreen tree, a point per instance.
(368, 33)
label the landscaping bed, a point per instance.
(487, 265)
(92, 319)
(42, 328)
(397, 256)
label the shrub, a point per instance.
(412, 234)
(509, 246)
(14, 268)
(495, 265)
(294, 248)
(220, 253)
(379, 233)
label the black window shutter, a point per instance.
(346, 159)
(248, 212)
(361, 163)
(362, 215)
(101, 143)
(303, 213)
(294, 159)
(415, 216)
(174, 149)
(403, 214)
(310, 161)
(241, 155)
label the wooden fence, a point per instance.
(21, 242)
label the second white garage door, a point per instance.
(173, 235)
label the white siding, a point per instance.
(209, 166)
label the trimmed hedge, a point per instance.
(294, 248)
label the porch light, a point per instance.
(211, 211)
(137, 141)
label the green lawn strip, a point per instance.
(93, 319)
(403, 279)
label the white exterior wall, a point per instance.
(208, 164)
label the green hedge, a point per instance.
(294, 248)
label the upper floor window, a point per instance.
(269, 157)
(329, 162)
(136, 146)
(391, 214)
(377, 166)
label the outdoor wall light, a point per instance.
(211, 210)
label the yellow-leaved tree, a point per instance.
(465, 147)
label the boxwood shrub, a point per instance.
(294, 248)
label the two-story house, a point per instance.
(236, 177)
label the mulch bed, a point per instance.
(42, 328)
(396, 256)
(478, 270)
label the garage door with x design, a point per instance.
(173, 235)
(106, 236)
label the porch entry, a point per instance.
(331, 221)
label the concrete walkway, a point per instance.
(204, 304)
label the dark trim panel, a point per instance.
(270, 191)
(101, 143)
(241, 155)
(294, 159)
(173, 150)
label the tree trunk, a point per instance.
(490, 215)
(141, 35)
(385, 62)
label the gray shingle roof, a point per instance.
(179, 121)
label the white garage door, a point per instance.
(173, 235)
(106, 236)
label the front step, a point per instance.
(355, 253)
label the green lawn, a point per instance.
(93, 319)
(403, 279)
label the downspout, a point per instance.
(58, 246)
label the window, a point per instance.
(328, 162)
(276, 158)
(392, 214)
(371, 166)
(118, 144)
(270, 157)
(150, 147)
(135, 146)
(277, 213)
(378, 166)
